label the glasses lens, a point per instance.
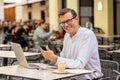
(66, 22)
(61, 24)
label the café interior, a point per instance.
(100, 16)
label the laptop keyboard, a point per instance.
(34, 66)
(40, 66)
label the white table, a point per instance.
(107, 36)
(117, 51)
(5, 46)
(102, 36)
(10, 54)
(19, 71)
(106, 46)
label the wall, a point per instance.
(1, 11)
(73, 4)
(118, 17)
(104, 18)
(53, 14)
(36, 11)
(110, 17)
(25, 13)
(18, 10)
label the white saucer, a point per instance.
(56, 71)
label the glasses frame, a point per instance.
(66, 22)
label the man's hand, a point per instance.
(49, 54)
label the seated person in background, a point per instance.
(41, 34)
(59, 35)
(12, 31)
(80, 47)
(89, 24)
(26, 28)
(20, 36)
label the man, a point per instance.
(80, 47)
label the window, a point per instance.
(86, 11)
(29, 15)
(43, 15)
(63, 3)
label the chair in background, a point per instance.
(109, 74)
(98, 30)
(104, 54)
(109, 64)
(116, 57)
(110, 70)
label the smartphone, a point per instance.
(43, 47)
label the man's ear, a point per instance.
(77, 18)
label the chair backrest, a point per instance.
(109, 64)
(109, 74)
(116, 56)
(103, 54)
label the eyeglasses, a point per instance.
(67, 22)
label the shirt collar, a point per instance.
(79, 32)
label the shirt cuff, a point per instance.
(59, 59)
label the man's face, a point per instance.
(68, 22)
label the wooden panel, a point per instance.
(9, 14)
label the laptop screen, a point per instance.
(19, 54)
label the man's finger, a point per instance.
(41, 50)
(47, 47)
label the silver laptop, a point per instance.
(21, 57)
